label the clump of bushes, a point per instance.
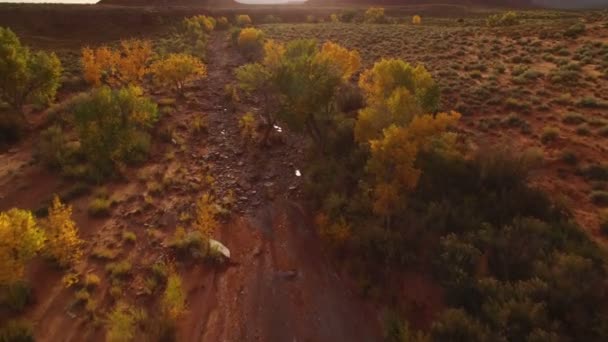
(117, 67)
(575, 30)
(503, 19)
(549, 135)
(191, 36)
(374, 15)
(176, 70)
(243, 20)
(108, 129)
(17, 331)
(250, 42)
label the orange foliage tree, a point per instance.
(117, 67)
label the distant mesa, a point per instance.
(565, 4)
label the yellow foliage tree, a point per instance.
(206, 211)
(117, 67)
(345, 62)
(243, 20)
(176, 70)
(393, 157)
(20, 241)
(63, 243)
(416, 20)
(374, 15)
(199, 23)
(395, 92)
(251, 42)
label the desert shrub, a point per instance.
(20, 241)
(599, 198)
(243, 20)
(199, 24)
(205, 218)
(567, 74)
(173, 300)
(603, 216)
(272, 19)
(100, 206)
(121, 323)
(190, 37)
(573, 119)
(55, 150)
(549, 135)
(119, 269)
(17, 331)
(27, 77)
(347, 16)
(374, 15)
(456, 325)
(251, 42)
(395, 93)
(592, 102)
(91, 281)
(575, 30)
(416, 20)
(222, 23)
(15, 296)
(113, 126)
(247, 125)
(189, 243)
(63, 243)
(504, 19)
(129, 237)
(596, 172)
(176, 70)
(124, 66)
(569, 157)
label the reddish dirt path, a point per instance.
(279, 287)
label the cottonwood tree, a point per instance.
(63, 243)
(26, 76)
(392, 161)
(124, 66)
(395, 92)
(303, 79)
(176, 70)
(20, 241)
(113, 128)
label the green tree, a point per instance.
(26, 76)
(113, 128)
(303, 80)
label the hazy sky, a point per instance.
(54, 1)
